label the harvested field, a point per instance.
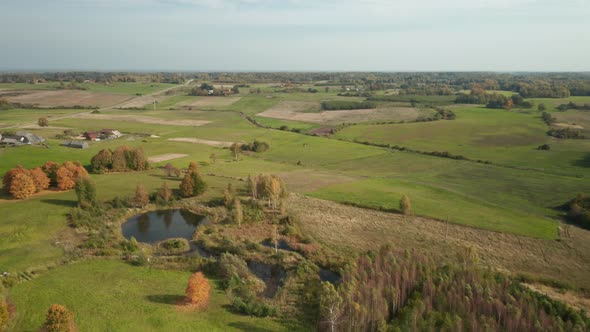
(67, 98)
(202, 141)
(142, 119)
(210, 102)
(165, 157)
(295, 112)
(141, 102)
(343, 227)
(574, 119)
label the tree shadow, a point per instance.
(244, 326)
(171, 299)
(166, 177)
(60, 202)
(584, 162)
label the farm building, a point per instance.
(75, 144)
(110, 133)
(91, 135)
(21, 138)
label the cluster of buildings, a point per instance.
(21, 138)
(101, 135)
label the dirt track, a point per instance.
(165, 157)
(202, 141)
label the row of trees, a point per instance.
(122, 159)
(493, 100)
(331, 105)
(395, 291)
(22, 183)
(267, 187)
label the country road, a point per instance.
(101, 109)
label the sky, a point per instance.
(295, 35)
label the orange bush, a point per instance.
(10, 175)
(40, 179)
(59, 319)
(65, 178)
(198, 291)
(22, 186)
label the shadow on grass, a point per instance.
(60, 202)
(168, 178)
(584, 162)
(166, 299)
(244, 326)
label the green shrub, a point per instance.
(253, 308)
(332, 105)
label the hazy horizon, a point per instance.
(295, 36)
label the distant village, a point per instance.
(21, 138)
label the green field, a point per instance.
(499, 136)
(114, 296)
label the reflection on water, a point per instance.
(160, 225)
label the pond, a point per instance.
(272, 275)
(156, 226)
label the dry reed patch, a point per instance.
(573, 299)
(343, 227)
(286, 112)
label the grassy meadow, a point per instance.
(114, 296)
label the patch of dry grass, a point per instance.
(354, 229)
(309, 112)
(67, 98)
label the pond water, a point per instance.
(331, 276)
(156, 226)
(272, 275)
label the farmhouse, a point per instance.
(75, 144)
(110, 133)
(91, 135)
(21, 138)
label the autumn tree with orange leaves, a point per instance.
(22, 183)
(59, 319)
(197, 291)
(22, 186)
(40, 179)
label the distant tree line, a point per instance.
(332, 105)
(528, 85)
(574, 106)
